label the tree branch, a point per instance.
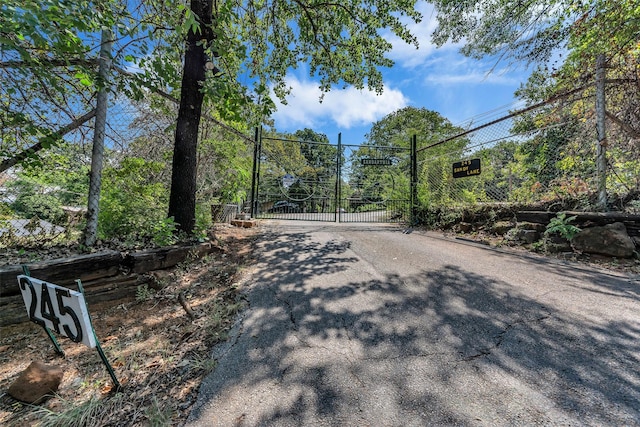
(53, 62)
(175, 100)
(6, 164)
(624, 126)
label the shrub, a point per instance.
(132, 206)
(44, 206)
(562, 226)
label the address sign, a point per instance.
(59, 309)
(466, 168)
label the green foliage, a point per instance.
(203, 221)
(41, 189)
(534, 32)
(369, 207)
(562, 226)
(164, 232)
(5, 211)
(159, 414)
(144, 293)
(312, 166)
(585, 27)
(225, 168)
(634, 207)
(43, 206)
(73, 414)
(131, 205)
(397, 128)
(49, 49)
(439, 217)
(36, 235)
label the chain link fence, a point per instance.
(543, 156)
(43, 201)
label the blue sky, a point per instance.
(440, 79)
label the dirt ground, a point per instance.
(157, 341)
(160, 353)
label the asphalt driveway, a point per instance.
(354, 325)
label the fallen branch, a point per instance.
(185, 305)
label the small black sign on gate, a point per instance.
(376, 162)
(466, 168)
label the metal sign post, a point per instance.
(63, 310)
(105, 361)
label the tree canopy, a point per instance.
(245, 47)
(534, 31)
(563, 38)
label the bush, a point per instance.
(132, 207)
(5, 211)
(44, 206)
(561, 225)
(370, 207)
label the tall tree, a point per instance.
(564, 38)
(320, 173)
(570, 32)
(397, 129)
(47, 65)
(533, 31)
(258, 43)
(247, 47)
(182, 199)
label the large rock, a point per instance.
(610, 240)
(502, 227)
(556, 244)
(36, 382)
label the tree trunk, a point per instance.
(182, 199)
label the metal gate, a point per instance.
(319, 181)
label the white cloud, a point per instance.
(495, 77)
(453, 69)
(345, 108)
(406, 55)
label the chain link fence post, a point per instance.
(95, 178)
(601, 156)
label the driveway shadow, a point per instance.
(421, 349)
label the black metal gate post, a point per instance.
(254, 184)
(414, 179)
(339, 179)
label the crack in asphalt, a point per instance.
(353, 356)
(295, 327)
(288, 308)
(500, 338)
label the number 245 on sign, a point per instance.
(59, 309)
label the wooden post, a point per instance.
(95, 178)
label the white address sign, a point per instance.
(59, 309)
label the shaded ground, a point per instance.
(346, 326)
(159, 353)
(628, 265)
(356, 350)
